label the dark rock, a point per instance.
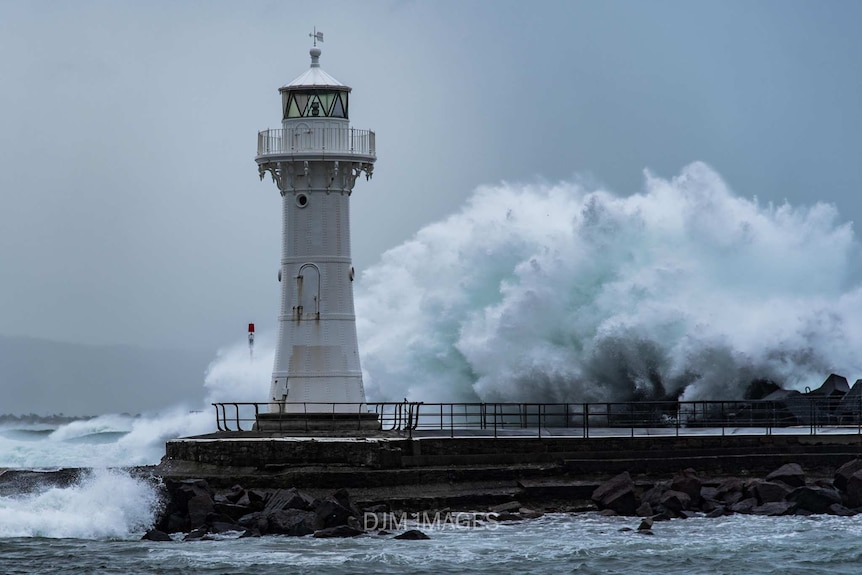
(288, 499)
(774, 508)
(331, 513)
(686, 514)
(174, 523)
(255, 521)
(412, 535)
(815, 499)
(717, 512)
(744, 506)
(760, 388)
(250, 533)
(530, 513)
(840, 510)
(294, 522)
(199, 507)
(790, 474)
(663, 516)
(646, 524)
(509, 506)
(709, 493)
(675, 501)
(834, 386)
(689, 483)
(603, 513)
(645, 510)
(506, 516)
(617, 494)
(338, 531)
(653, 495)
(730, 490)
(195, 534)
(231, 510)
(235, 494)
(853, 489)
(625, 529)
(771, 491)
(844, 472)
(156, 535)
(646, 532)
(223, 527)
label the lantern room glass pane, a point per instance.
(301, 103)
(338, 109)
(293, 110)
(326, 102)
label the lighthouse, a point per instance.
(315, 159)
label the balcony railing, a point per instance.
(795, 415)
(334, 140)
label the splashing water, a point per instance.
(102, 504)
(558, 293)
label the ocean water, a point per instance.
(546, 292)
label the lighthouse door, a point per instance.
(308, 292)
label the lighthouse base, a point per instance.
(317, 421)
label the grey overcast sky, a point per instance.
(131, 208)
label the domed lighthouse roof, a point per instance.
(315, 76)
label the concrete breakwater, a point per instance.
(478, 472)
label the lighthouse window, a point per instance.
(301, 200)
(316, 103)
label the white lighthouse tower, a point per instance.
(315, 159)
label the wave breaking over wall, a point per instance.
(561, 293)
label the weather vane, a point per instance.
(318, 36)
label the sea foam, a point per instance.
(563, 293)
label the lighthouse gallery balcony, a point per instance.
(317, 141)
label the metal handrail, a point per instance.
(342, 140)
(646, 417)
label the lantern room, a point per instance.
(314, 95)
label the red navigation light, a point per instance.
(251, 328)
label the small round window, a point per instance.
(301, 200)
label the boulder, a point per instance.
(156, 535)
(224, 527)
(256, 521)
(771, 491)
(528, 513)
(730, 490)
(844, 472)
(675, 501)
(689, 483)
(774, 508)
(235, 494)
(853, 489)
(509, 506)
(815, 499)
(646, 524)
(744, 506)
(790, 474)
(617, 494)
(645, 510)
(199, 507)
(840, 510)
(338, 531)
(231, 510)
(331, 513)
(717, 512)
(412, 535)
(294, 522)
(288, 499)
(653, 494)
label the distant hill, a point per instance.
(45, 377)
